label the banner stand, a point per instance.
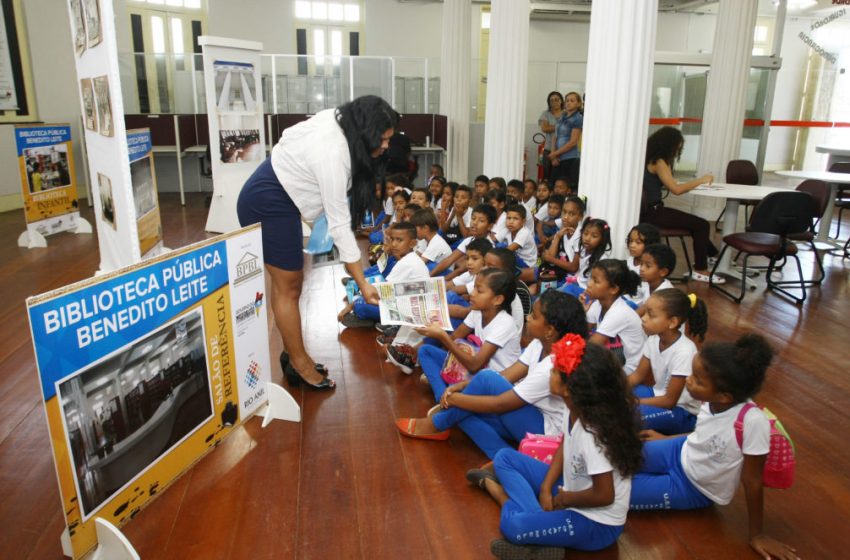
(281, 406)
(33, 239)
(65, 541)
(112, 544)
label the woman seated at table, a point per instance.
(663, 148)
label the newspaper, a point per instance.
(415, 303)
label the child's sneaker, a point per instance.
(403, 356)
(387, 330)
(352, 321)
(383, 340)
(509, 551)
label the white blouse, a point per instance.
(312, 162)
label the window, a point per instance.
(348, 12)
(164, 36)
(325, 27)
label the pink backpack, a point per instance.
(453, 371)
(780, 463)
(541, 447)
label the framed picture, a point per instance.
(104, 106)
(92, 14)
(89, 110)
(79, 24)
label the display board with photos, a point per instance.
(48, 181)
(145, 200)
(85, 24)
(145, 369)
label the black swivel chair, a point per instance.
(777, 217)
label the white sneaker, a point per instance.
(715, 279)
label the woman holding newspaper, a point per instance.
(327, 165)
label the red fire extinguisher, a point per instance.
(539, 139)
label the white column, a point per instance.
(507, 85)
(726, 94)
(619, 81)
(454, 85)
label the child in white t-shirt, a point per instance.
(483, 217)
(656, 264)
(498, 200)
(457, 223)
(402, 241)
(435, 247)
(666, 406)
(488, 320)
(581, 500)
(518, 238)
(497, 410)
(705, 467)
(616, 325)
(637, 240)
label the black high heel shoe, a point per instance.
(294, 379)
(284, 361)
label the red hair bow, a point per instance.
(567, 353)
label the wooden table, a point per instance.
(833, 179)
(733, 194)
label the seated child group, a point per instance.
(589, 364)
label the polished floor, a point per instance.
(343, 483)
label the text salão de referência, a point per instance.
(134, 300)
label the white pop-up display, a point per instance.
(235, 113)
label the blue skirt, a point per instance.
(264, 200)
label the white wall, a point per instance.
(55, 82)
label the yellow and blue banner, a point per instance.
(48, 181)
(145, 369)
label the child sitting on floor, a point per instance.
(456, 225)
(494, 408)
(595, 243)
(421, 198)
(580, 501)
(656, 264)
(435, 247)
(483, 217)
(546, 229)
(705, 467)
(615, 323)
(558, 257)
(666, 406)
(519, 239)
(402, 241)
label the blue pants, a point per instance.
(376, 237)
(662, 484)
(431, 361)
(365, 310)
(491, 432)
(523, 521)
(374, 270)
(669, 421)
(432, 265)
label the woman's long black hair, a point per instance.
(363, 122)
(665, 143)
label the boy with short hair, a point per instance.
(515, 189)
(546, 229)
(421, 197)
(401, 242)
(562, 187)
(483, 217)
(518, 238)
(435, 247)
(482, 185)
(456, 226)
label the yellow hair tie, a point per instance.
(693, 298)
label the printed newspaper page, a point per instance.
(415, 303)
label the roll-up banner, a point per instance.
(235, 113)
(48, 183)
(145, 200)
(145, 369)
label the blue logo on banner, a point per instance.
(34, 136)
(79, 328)
(139, 144)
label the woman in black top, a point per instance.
(663, 148)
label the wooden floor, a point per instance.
(344, 484)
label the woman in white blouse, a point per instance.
(327, 165)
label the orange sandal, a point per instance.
(407, 427)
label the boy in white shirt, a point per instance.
(519, 238)
(402, 240)
(656, 264)
(434, 247)
(483, 217)
(456, 226)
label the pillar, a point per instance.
(507, 85)
(454, 85)
(726, 94)
(620, 55)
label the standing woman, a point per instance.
(326, 165)
(663, 148)
(548, 122)
(565, 157)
